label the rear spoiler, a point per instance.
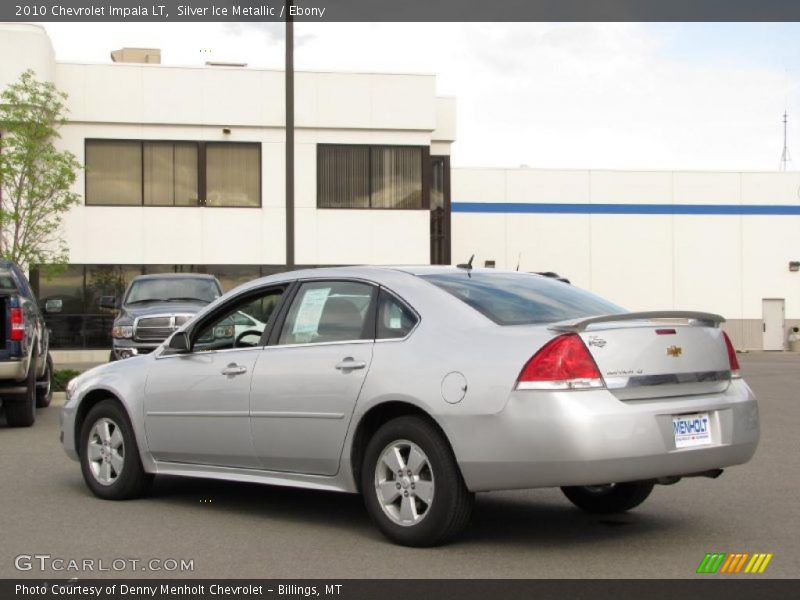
(702, 319)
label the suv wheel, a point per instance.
(21, 409)
(609, 498)
(109, 455)
(412, 486)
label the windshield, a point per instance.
(173, 290)
(521, 298)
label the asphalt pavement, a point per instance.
(232, 530)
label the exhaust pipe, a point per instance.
(673, 479)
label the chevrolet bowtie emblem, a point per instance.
(674, 351)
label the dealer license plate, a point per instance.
(691, 430)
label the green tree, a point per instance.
(35, 177)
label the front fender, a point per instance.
(124, 381)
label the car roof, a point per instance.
(382, 274)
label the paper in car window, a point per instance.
(310, 311)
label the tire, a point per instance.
(112, 469)
(608, 499)
(442, 511)
(44, 387)
(21, 409)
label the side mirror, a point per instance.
(53, 305)
(108, 302)
(179, 342)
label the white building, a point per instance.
(185, 171)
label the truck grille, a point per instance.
(157, 328)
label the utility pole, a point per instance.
(289, 80)
(785, 157)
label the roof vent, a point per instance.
(137, 55)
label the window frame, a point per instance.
(425, 153)
(202, 171)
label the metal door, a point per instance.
(773, 312)
(197, 408)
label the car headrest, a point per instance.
(340, 321)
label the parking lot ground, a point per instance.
(240, 530)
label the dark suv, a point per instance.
(156, 305)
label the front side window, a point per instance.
(241, 325)
(163, 173)
(329, 311)
(369, 177)
(521, 298)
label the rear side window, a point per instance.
(329, 311)
(395, 319)
(521, 298)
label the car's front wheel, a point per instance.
(412, 485)
(609, 498)
(109, 456)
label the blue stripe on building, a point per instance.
(626, 209)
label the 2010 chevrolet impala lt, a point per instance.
(418, 387)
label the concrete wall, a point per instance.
(724, 263)
(161, 102)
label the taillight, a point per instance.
(17, 319)
(563, 363)
(732, 359)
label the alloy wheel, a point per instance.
(106, 451)
(404, 483)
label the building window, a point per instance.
(158, 173)
(170, 173)
(369, 177)
(233, 175)
(114, 173)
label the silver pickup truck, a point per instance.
(154, 306)
(26, 369)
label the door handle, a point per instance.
(348, 364)
(234, 369)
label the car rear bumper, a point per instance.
(546, 439)
(14, 369)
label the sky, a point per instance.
(544, 95)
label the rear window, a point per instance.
(521, 298)
(7, 282)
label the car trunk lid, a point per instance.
(656, 354)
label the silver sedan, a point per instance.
(418, 387)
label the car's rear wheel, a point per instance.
(109, 456)
(21, 408)
(44, 387)
(609, 498)
(412, 486)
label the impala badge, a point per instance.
(596, 341)
(674, 351)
